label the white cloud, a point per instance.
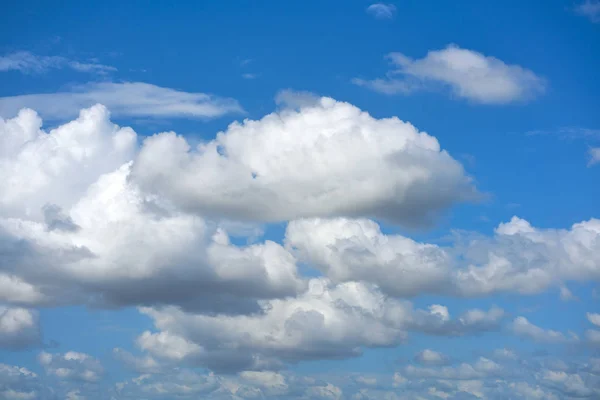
(593, 318)
(325, 159)
(27, 62)
(382, 10)
(519, 258)
(482, 368)
(17, 383)
(589, 9)
(594, 156)
(72, 366)
(127, 99)
(327, 321)
(431, 357)
(522, 327)
(70, 206)
(467, 73)
(19, 328)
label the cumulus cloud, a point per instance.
(328, 321)
(589, 9)
(325, 159)
(382, 10)
(27, 62)
(19, 328)
(522, 327)
(518, 258)
(466, 73)
(72, 366)
(126, 99)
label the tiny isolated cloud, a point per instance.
(594, 156)
(29, 63)
(589, 9)
(468, 74)
(125, 99)
(382, 10)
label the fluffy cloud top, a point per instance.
(19, 328)
(126, 99)
(467, 73)
(325, 159)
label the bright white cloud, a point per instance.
(27, 62)
(467, 73)
(382, 10)
(324, 159)
(19, 328)
(593, 318)
(127, 99)
(589, 9)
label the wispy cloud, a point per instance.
(249, 76)
(30, 63)
(568, 133)
(467, 73)
(131, 99)
(382, 11)
(589, 9)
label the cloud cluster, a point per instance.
(518, 258)
(466, 73)
(72, 366)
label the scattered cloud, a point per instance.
(127, 99)
(72, 366)
(382, 10)
(29, 63)
(430, 357)
(249, 76)
(468, 74)
(589, 9)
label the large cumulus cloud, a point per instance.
(327, 158)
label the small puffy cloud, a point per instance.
(324, 159)
(467, 73)
(27, 62)
(382, 10)
(523, 328)
(431, 357)
(126, 99)
(72, 366)
(594, 156)
(19, 328)
(589, 9)
(437, 321)
(142, 365)
(593, 318)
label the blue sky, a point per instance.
(318, 199)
